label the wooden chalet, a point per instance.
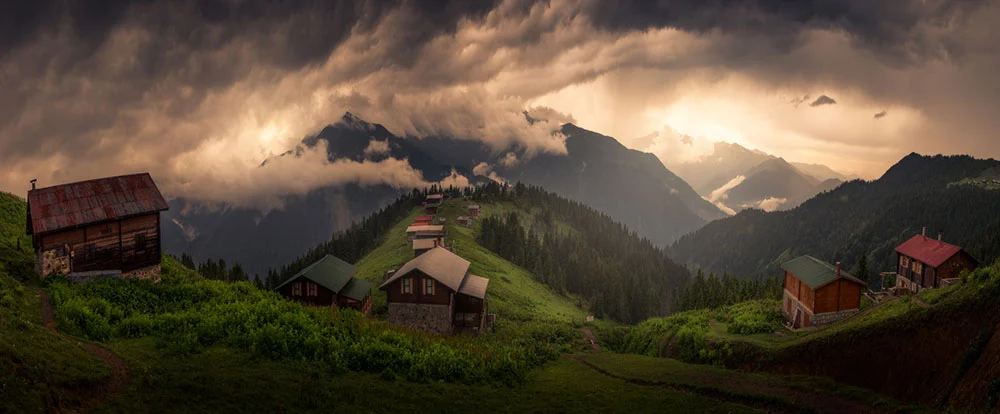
(923, 262)
(474, 210)
(415, 232)
(423, 221)
(107, 227)
(817, 293)
(421, 246)
(435, 293)
(432, 203)
(464, 221)
(329, 282)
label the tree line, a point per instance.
(711, 291)
(623, 276)
(361, 238)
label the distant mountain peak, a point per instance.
(354, 122)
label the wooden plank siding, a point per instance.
(126, 245)
(323, 297)
(442, 294)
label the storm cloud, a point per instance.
(196, 90)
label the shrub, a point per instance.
(186, 315)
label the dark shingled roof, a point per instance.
(814, 272)
(356, 289)
(439, 263)
(930, 251)
(87, 202)
(329, 272)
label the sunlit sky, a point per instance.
(199, 93)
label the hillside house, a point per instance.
(423, 221)
(432, 203)
(923, 262)
(435, 293)
(107, 227)
(421, 246)
(464, 221)
(415, 232)
(817, 293)
(474, 211)
(329, 282)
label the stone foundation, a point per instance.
(428, 318)
(149, 272)
(831, 317)
(52, 262)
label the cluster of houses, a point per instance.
(110, 228)
(433, 292)
(817, 293)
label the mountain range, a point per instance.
(941, 193)
(630, 186)
(735, 178)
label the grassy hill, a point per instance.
(939, 347)
(515, 294)
(196, 345)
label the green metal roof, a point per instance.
(329, 272)
(357, 289)
(814, 272)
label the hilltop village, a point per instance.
(461, 287)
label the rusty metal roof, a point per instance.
(930, 251)
(85, 202)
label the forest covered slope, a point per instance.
(858, 217)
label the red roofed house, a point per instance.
(103, 225)
(924, 262)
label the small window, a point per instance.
(311, 288)
(428, 286)
(140, 241)
(407, 288)
(297, 289)
(918, 267)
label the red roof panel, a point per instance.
(930, 251)
(75, 204)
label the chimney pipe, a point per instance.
(33, 181)
(838, 269)
(940, 235)
(924, 232)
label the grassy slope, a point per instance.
(37, 369)
(514, 294)
(221, 379)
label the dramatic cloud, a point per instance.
(721, 194)
(823, 100)
(205, 91)
(376, 148)
(771, 204)
(485, 170)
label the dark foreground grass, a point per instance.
(225, 380)
(38, 370)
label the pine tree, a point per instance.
(863, 272)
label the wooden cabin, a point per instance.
(423, 221)
(923, 263)
(464, 221)
(329, 282)
(425, 232)
(107, 227)
(435, 293)
(817, 293)
(474, 210)
(421, 246)
(432, 203)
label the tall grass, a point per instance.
(187, 314)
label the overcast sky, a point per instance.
(199, 93)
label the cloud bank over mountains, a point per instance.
(203, 92)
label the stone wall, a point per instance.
(428, 318)
(830, 317)
(52, 261)
(149, 272)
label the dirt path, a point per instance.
(920, 302)
(99, 394)
(729, 391)
(588, 336)
(701, 391)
